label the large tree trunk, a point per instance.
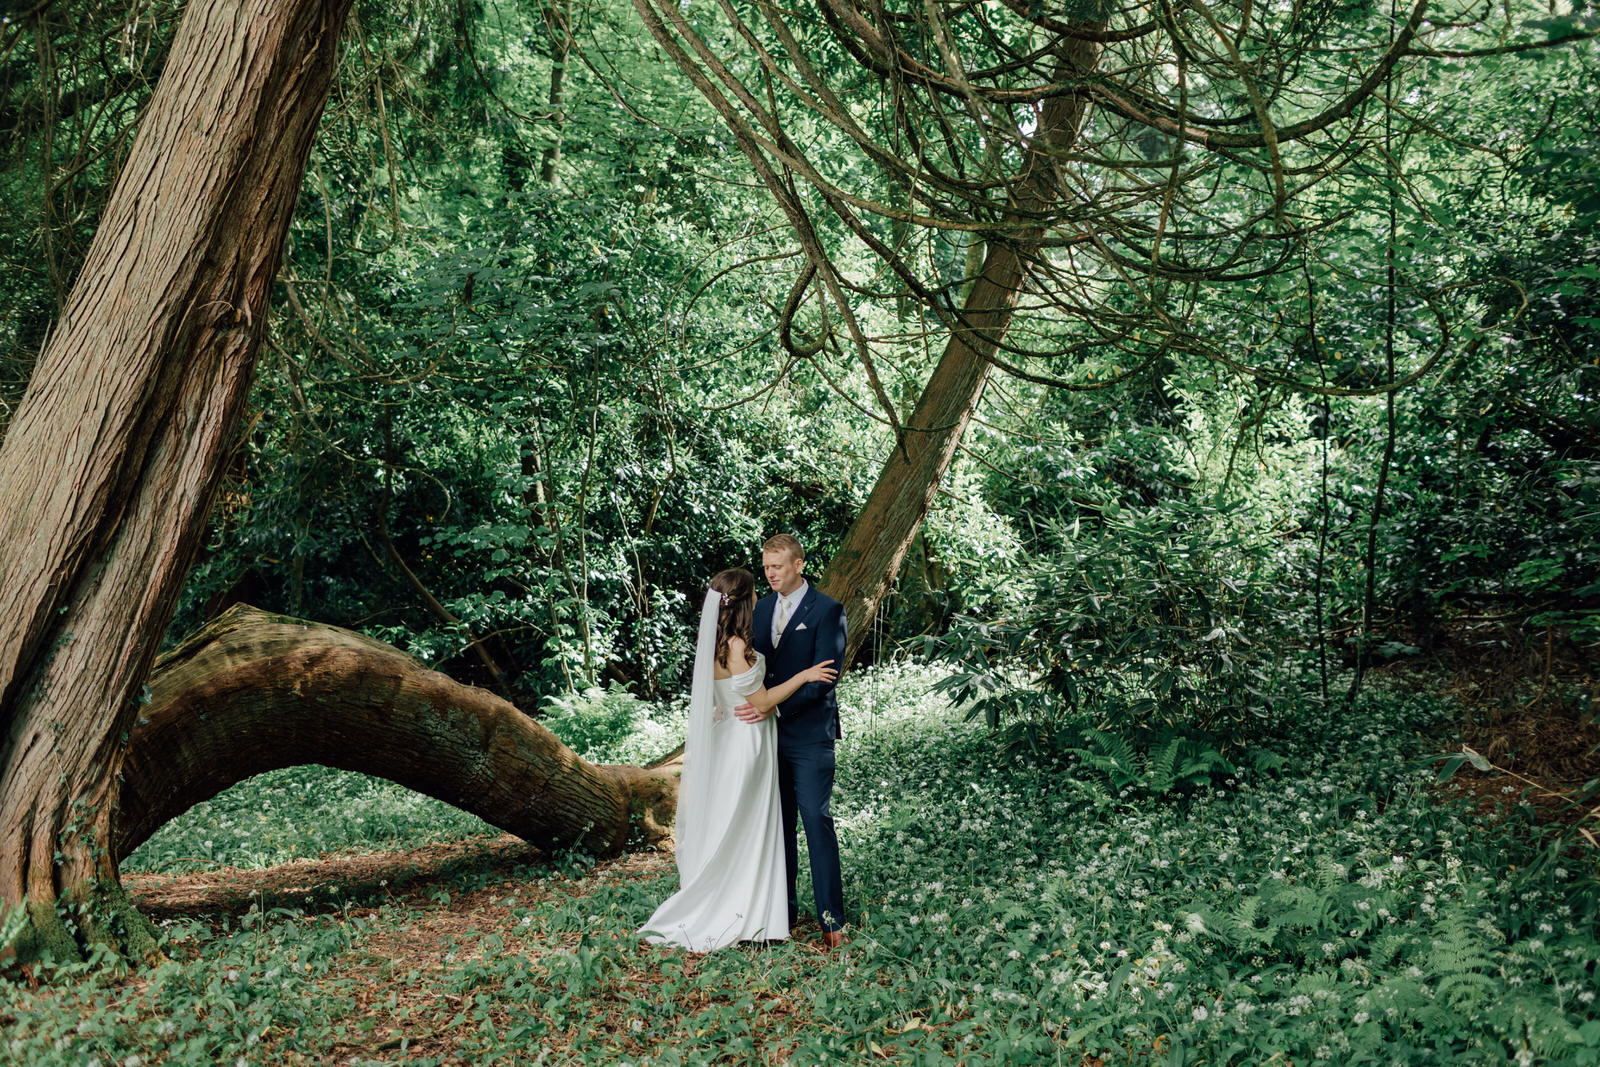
(869, 557)
(110, 466)
(252, 692)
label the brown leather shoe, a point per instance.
(834, 939)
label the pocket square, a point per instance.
(802, 626)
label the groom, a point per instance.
(797, 627)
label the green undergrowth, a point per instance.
(298, 812)
(1334, 908)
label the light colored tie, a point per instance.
(782, 620)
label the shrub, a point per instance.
(1152, 624)
(611, 725)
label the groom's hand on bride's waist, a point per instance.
(750, 713)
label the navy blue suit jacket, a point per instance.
(815, 632)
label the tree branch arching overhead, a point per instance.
(1087, 233)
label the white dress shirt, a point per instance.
(793, 605)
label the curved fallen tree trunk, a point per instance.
(252, 692)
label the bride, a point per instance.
(729, 829)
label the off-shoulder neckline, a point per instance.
(748, 670)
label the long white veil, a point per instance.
(694, 787)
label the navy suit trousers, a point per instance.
(805, 790)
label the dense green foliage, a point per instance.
(506, 388)
(1008, 911)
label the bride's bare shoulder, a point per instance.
(736, 661)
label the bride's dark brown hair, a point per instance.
(738, 589)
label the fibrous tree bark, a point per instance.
(109, 468)
(252, 692)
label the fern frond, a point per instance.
(1468, 992)
(1111, 757)
(1158, 776)
(1455, 949)
(1116, 747)
(1386, 947)
(1549, 1033)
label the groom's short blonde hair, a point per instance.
(784, 543)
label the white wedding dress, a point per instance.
(729, 826)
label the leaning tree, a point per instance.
(109, 467)
(108, 470)
(252, 692)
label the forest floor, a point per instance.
(452, 895)
(1532, 712)
(1329, 899)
